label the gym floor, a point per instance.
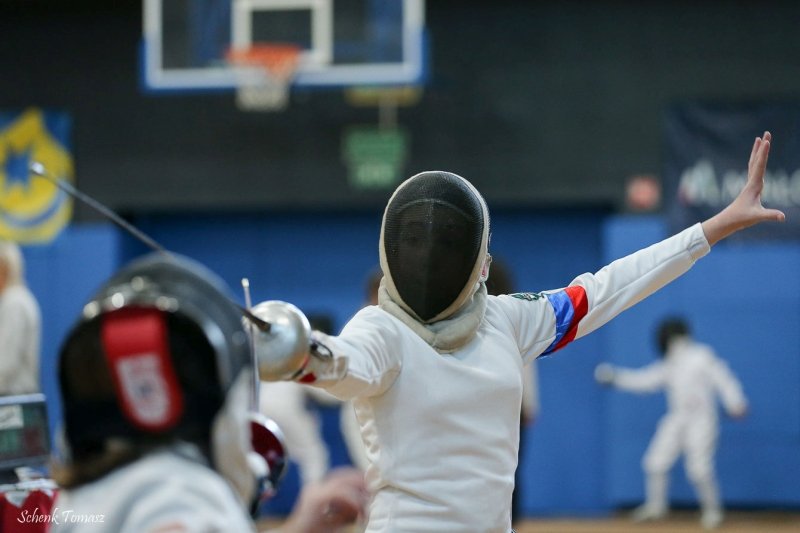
(677, 522)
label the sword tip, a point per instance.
(37, 168)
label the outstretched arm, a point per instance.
(651, 378)
(746, 210)
(592, 300)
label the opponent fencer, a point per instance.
(156, 380)
(693, 378)
(436, 368)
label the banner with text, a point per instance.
(707, 150)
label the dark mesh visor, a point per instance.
(432, 237)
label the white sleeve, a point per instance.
(631, 279)
(728, 387)
(529, 320)
(648, 379)
(547, 321)
(366, 356)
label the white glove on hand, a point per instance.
(604, 374)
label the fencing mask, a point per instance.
(434, 241)
(160, 355)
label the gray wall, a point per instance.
(537, 103)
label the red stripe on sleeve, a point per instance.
(580, 306)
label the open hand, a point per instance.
(746, 209)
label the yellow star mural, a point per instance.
(33, 209)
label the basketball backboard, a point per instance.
(344, 43)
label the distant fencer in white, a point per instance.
(693, 378)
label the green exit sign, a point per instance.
(375, 157)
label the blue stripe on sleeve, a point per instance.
(565, 312)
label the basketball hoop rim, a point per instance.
(264, 74)
(278, 60)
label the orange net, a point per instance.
(264, 73)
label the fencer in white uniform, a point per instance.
(156, 379)
(436, 370)
(20, 326)
(441, 427)
(693, 378)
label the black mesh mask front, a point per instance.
(432, 237)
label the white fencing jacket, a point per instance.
(441, 430)
(168, 491)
